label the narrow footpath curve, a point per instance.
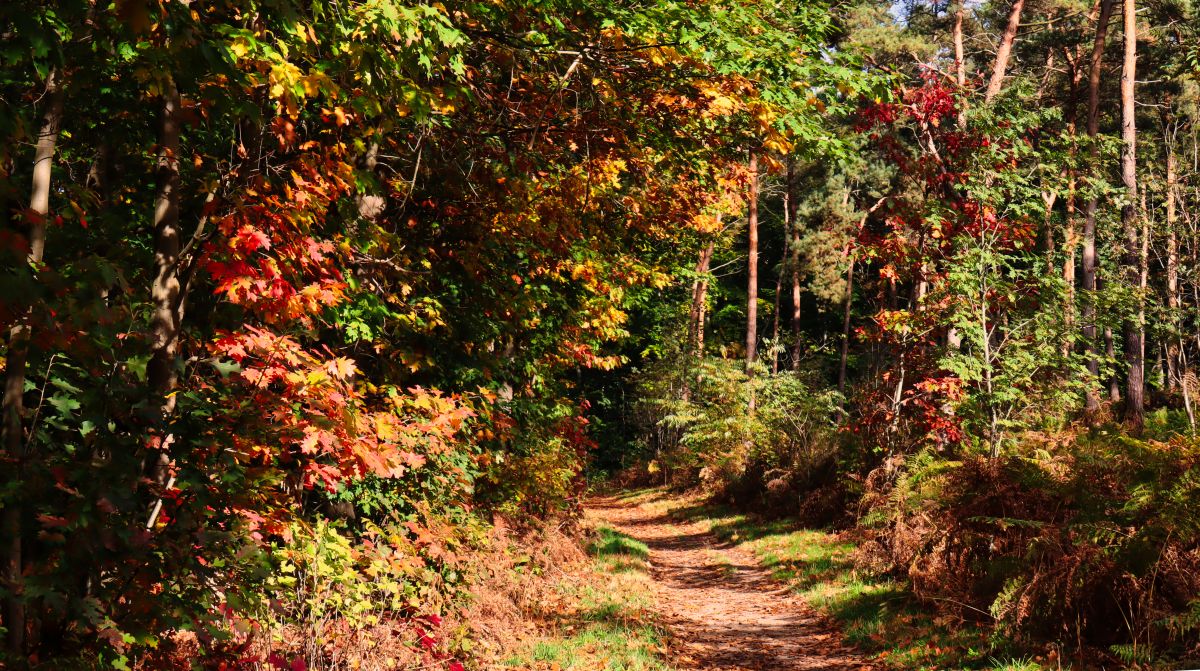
(724, 610)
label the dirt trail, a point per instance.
(724, 610)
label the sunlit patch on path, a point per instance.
(724, 609)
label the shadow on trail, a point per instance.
(725, 610)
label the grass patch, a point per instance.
(612, 648)
(608, 622)
(877, 614)
(610, 543)
(642, 495)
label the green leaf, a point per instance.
(225, 368)
(137, 366)
(65, 405)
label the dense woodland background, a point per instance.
(301, 297)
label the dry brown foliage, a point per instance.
(516, 591)
(1094, 546)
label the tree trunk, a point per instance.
(1048, 72)
(775, 327)
(1145, 240)
(1071, 242)
(921, 286)
(986, 349)
(845, 353)
(790, 211)
(752, 268)
(960, 63)
(701, 316)
(699, 295)
(1000, 66)
(16, 363)
(695, 338)
(1187, 395)
(1074, 58)
(1089, 223)
(1173, 375)
(1130, 262)
(1110, 351)
(165, 289)
(1049, 198)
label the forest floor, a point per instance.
(671, 582)
(723, 608)
(675, 583)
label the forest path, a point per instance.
(723, 608)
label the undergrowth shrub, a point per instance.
(1093, 543)
(515, 593)
(326, 597)
(374, 601)
(705, 432)
(537, 468)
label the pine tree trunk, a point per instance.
(1173, 375)
(1144, 281)
(1089, 224)
(16, 363)
(752, 281)
(1000, 66)
(701, 316)
(960, 62)
(752, 268)
(1130, 262)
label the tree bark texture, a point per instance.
(165, 288)
(1133, 331)
(752, 268)
(1000, 66)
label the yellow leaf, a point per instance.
(239, 47)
